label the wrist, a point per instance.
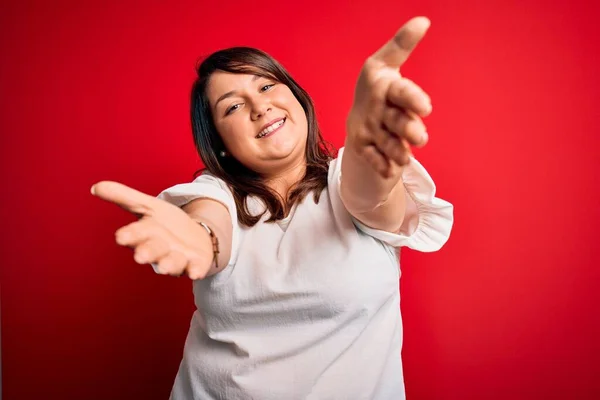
(214, 242)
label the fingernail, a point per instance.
(425, 137)
(93, 190)
(426, 21)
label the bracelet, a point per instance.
(215, 243)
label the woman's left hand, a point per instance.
(385, 119)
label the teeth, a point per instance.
(271, 128)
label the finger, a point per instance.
(198, 267)
(128, 198)
(377, 160)
(392, 147)
(407, 153)
(404, 125)
(151, 250)
(137, 232)
(397, 50)
(406, 94)
(174, 263)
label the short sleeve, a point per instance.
(427, 221)
(209, 187)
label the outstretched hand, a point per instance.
(164, 234)
(385, 118)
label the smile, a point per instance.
(269, 130)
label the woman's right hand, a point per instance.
(164, 234)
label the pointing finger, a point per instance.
(130, 199)
(397, 50)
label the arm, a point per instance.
(385, 120)
(217, 217)
(376, 201)
(166, 236)
(427, 219)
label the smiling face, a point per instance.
(260, 121)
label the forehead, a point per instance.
(223, 79)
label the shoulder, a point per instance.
(335, 168)
(206, 185)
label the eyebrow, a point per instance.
(233, 92)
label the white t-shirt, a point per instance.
(308, 308)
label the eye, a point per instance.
(232, 109)
(266, 87)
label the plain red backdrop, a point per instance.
(92, 91)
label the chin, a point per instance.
(283, 145)
(281, 158)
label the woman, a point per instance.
(293, 254)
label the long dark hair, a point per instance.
(243, 181)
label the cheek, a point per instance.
(301, 118)
(233, 128)
(295, 109)
(235, 135)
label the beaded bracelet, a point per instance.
(215, 242)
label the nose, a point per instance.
(259, 109)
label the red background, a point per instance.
(91, 91)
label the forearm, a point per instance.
(375, 200)
(363, 189)
(217, 217)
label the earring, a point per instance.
(223, 153)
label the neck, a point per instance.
(284, 180)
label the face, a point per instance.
(261, 122)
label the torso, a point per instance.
(310, 307)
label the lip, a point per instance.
(268, 124)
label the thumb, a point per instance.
(397, 50)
